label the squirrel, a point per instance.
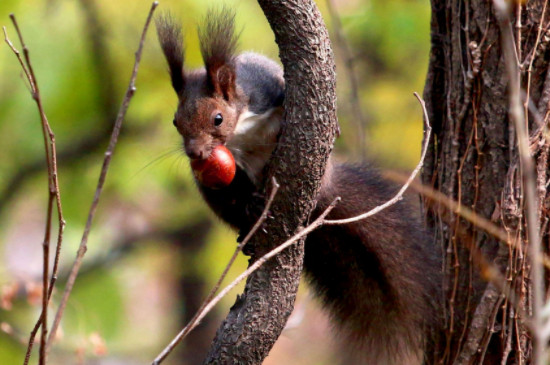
(380, 278)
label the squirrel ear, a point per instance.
(223, 82)
(171, 42)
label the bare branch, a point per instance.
(18, 55)
(488, 270)
(54, 194)
(532, 58)
(467, 214)
(107, 104)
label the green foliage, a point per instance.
(11, 351)
(390, 46)
(96, 305)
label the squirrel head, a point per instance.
(209, 102)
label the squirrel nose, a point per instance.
(195, 151)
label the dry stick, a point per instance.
(45, 272)
(46, 242)
(360, 119)
(18, 55)
(255, 266)
(528, 175)
(106, 161)
(489, 271)
(194, 322)
(54, 193)
(320, 221)
(401, 191)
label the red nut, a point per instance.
(217, 171)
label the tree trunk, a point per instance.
(259, 315)
(474, 160)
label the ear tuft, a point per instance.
(218, 43)
(171, 42)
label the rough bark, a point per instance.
(474, 159)
(259, 315)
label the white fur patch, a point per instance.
(246, 121)
(254, 139)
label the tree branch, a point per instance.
(53, 195)
(259, 315)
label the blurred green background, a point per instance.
(155, 249)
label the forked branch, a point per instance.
(53, 195)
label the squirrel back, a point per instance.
(380, 278)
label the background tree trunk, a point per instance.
(260, 314)
(474, 159)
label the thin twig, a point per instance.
(54, 194)
(401, 191)
(255, 266)
(106, 101)
(35, 93)
(106, 161)
(18, 55)
(194, 322)
(529, 180)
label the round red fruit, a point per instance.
(217, 171)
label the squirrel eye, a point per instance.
(175, 122)
(218, 119)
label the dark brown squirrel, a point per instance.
(380, 277)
